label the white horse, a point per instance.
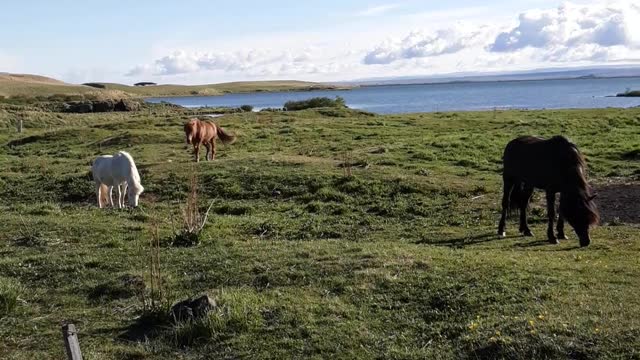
(120, 171)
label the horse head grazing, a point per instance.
(581, 213)
(133, 193)
(576, 199)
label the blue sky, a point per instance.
(330, 40)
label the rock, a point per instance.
(78, 107)
(103, 105)
(126, 105)
(193, 309)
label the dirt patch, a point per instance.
(619, 202)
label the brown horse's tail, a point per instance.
(225, 136)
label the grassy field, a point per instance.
(397, 261)
(33, 85)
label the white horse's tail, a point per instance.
(104, 194)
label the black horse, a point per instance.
(556, 166)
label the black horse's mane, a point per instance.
(578, 164)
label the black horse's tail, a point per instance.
(516, 198)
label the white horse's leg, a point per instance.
(119, 196)
(124, 193)
(110, 195)
(99, 194)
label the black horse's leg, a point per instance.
(560, 228)
(551, 215)
(506, 194)
(527, 192)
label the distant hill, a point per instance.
(36, 85)
(29, 78)
(530, 75)
(218, 89)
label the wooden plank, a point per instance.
(71, 342)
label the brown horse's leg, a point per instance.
(527, 192)
(213, 149)
(560, 228)
(206, 146)
(506, 194)
(196, 151)
(551, 214)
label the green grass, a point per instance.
(397, 261)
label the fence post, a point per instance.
(71, 343)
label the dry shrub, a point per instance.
(104, 95)
(193, 221)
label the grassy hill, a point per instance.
(34, 85)
(398, 260)
(217, 89)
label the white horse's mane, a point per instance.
(135, 176)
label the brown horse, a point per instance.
(556, 166)
(205, 133)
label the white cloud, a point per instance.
(427, 44)
(250, 63)
(570, 25)
(378, 10)
(572, 34)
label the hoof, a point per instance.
(562, 237)
(554, 242)
(502, 235)
(527, 233)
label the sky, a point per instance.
(199, 41)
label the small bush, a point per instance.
(630, 93)
(631, 155)
(246, 108)
(227, 209)
(313, 103)
(236, 314)
(10, 292)
(95, 85)
(271, 110)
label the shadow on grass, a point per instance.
(466, 240)
(546, 246)
(147, 327)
